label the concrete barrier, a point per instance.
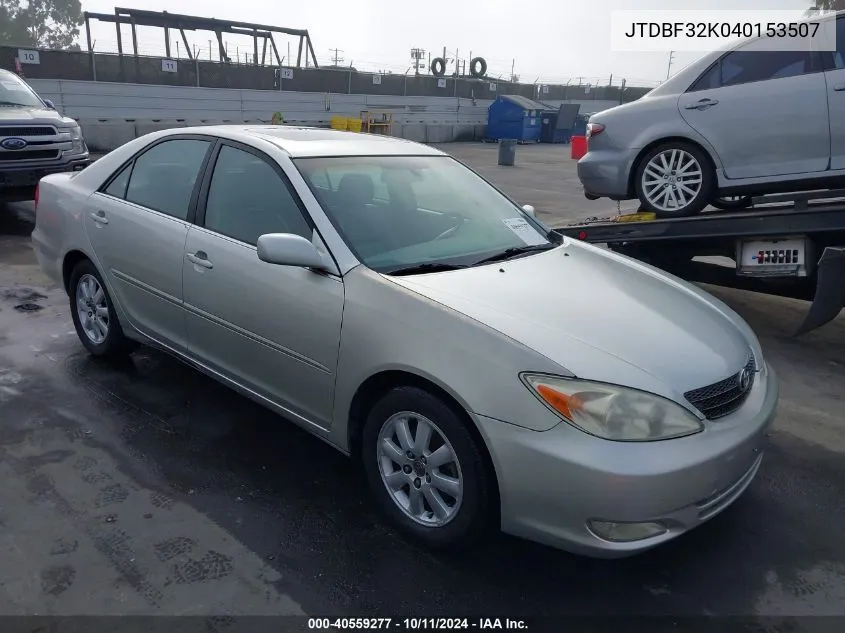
(463, 133)
(413, 132)
(148, 127)
(439, 133)
(106, 135)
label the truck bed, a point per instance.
(770, 216)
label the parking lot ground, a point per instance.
(543, 175)
(146, 488)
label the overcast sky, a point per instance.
(549, 40)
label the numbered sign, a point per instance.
(169, 65)
(28, 57)
(377, 80)
(286, 73)
(492, 87)
(441, 83)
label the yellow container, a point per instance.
(339, 123)
(639, 216)
(353, 125)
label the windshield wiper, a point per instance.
(12, 103)
(515, 251)
(429, 267)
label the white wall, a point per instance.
(90, 100)
(114, 113)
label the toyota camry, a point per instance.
(486, 372)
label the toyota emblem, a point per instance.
(13, 143)
(744, 379)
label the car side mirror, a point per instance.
(287, 249)
(50, 104)
(529, 210)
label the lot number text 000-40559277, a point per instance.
(417, 624)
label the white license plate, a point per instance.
(784, 257)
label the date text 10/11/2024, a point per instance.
(416, 624)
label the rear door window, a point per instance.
(741, 67)
(708, 80)
(117, 187)
(164, 176)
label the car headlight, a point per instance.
(78, 144)
(613, 412)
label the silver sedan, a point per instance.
(383, 296)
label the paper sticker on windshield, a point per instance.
(524, 231)
(12, 85)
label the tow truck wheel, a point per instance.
(731, 202)
(674, 180)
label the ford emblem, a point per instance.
(13, 143)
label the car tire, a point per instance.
(677, 155)
(471, 502)
(94, 315)
(727, 203)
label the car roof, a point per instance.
(301, 142)
(683, 79)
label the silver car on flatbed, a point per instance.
(737, 123)
(386, 298)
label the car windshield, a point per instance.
(15, 92)
(401, 212)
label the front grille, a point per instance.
(39, 154)
(31, 130)
(724, 397)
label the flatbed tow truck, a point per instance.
(791, 245)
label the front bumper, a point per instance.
(605, 172)
(19, 181)
(552, 483)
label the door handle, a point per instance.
(200, 259)
(839, 87)
(700, 105)
(100, 217)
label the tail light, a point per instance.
(36, 196)
(594, 129)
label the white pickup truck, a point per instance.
(35, 140)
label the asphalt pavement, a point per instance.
(146, 488)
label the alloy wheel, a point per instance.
(92, 309)
(672, 180)
(420, 469)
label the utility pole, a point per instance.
(671, 59)
(336, 57)
(513, 64)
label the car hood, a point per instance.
(26, 114)
(600, 316)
